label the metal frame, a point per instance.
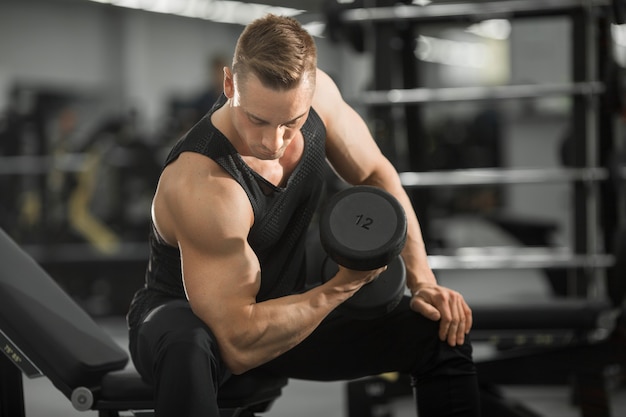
(437, 13)
(503, 92)
(519, 258)
(593, 143)
(499, 176)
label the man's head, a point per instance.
(271, 85)
(278, 50)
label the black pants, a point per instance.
(177, 353)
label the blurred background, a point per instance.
(505, 119)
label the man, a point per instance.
(225, 287)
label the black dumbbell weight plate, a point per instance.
(363, 228)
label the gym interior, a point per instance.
(503, 117)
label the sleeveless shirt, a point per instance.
(281, 216)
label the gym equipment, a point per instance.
(351, 21)
(44, 332)
(518, 258)
(502, 92)
(497, 176)
(364, 228)
(562, 342)
(376, 298)
(470, 11)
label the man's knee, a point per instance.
(446, 360)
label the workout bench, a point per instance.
(43, 332)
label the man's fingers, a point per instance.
(447, 320)
(460, 330)
(469, 322)
(455, 327)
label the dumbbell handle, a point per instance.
(377, 297)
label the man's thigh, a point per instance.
(345, 348)
(171, 323)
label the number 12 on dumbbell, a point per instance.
(363, 221)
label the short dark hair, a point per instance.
(278, 50)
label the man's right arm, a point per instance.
(222, 274)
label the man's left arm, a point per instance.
(354, 154)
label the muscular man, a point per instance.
(225, 287)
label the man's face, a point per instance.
(267, 120)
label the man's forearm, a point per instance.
(259, 332)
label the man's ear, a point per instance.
(229, 83)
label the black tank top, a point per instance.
(281, 216)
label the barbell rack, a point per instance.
(503, 92)
(508, 176)
(435, 13)
(494, 258)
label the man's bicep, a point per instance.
(220, 271)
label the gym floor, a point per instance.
(312, 399)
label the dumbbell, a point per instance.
(364, 228)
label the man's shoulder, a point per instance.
(200, 196)
(326, 98)
(196, 174)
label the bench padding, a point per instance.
(49, 327)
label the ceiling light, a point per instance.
(223, 11)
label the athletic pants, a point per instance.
(177, 353)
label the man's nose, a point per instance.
(273, 139)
